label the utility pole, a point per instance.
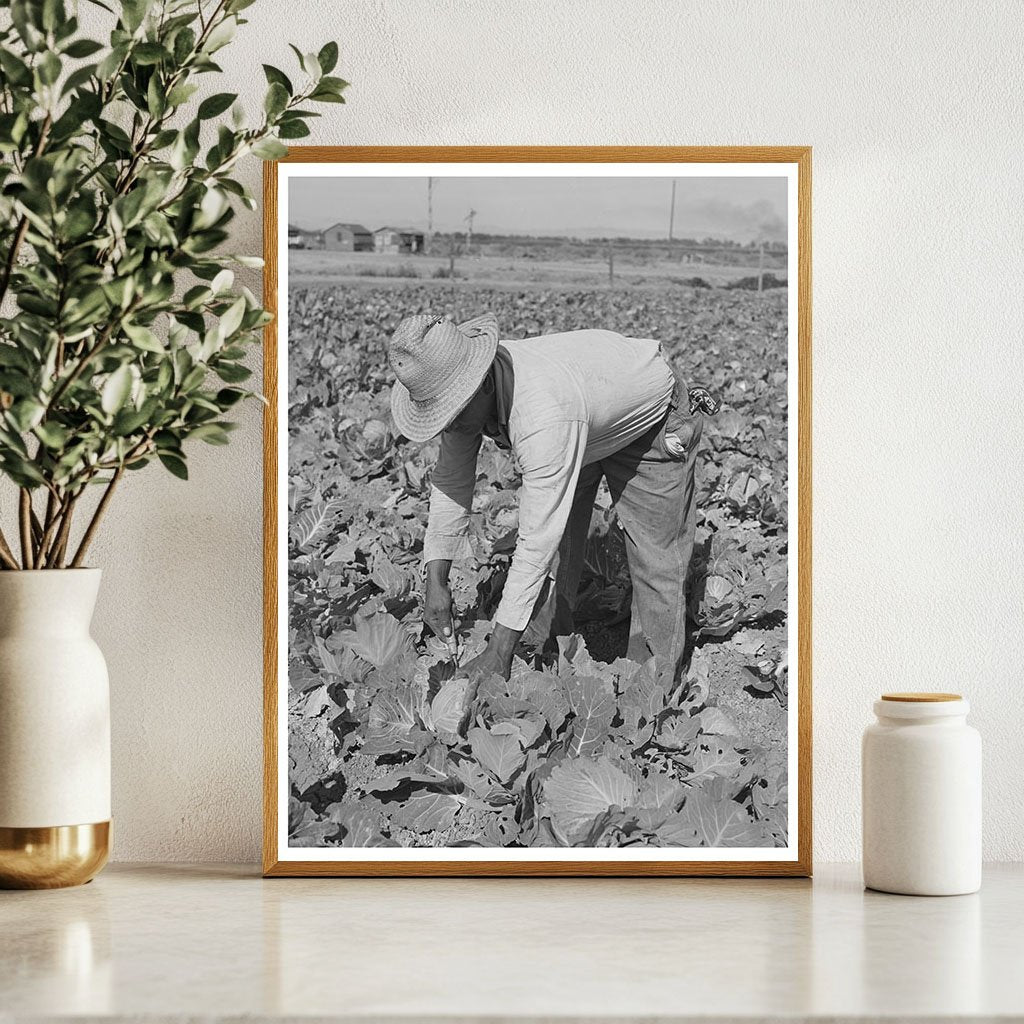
(469, 230)
(430, 208)
(760, 265)
(672, 213)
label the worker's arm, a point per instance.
(451, 501)
(550, 459)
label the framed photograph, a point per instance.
(537, 511)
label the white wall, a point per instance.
(914, 113)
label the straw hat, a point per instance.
(439, 367)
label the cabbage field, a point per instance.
(580, 747)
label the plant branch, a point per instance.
(6, 554)
(86, 358)
(60, 543)
(37, 527)
(94, 523)
(25, 524)
(22, 228)
(51, 525)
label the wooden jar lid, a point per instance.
(921, 698)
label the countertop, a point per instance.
(180, 941)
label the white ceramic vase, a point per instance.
(54, 731)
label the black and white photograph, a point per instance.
(537, 539)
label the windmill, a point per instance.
(469, 229)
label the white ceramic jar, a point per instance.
(921, 793)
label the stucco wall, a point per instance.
(913, 111)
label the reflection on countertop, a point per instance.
(179, 940)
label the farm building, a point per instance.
(348, 238)
(300, 238)
(402, 240)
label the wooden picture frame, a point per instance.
(796, 162)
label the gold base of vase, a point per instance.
(54, 857)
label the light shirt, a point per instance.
(564, 400)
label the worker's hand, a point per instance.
(437, 609)
(496, 658)
(487, 664)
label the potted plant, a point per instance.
(122, 339)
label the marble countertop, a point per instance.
(178, 941)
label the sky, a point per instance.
(736, 208)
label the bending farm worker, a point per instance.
(575, 408)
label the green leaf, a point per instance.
(78, 78)
(181, 94)
(26, 414)
(53, 15)
(133, 12)
(174, 464)
(276, 100)
(222, 281)
(255, 262)
(293, 130)
(23, 472)
(109, 65)
(184, 44)
(277, 77)
(328, 57)
(214, 105)
(232, 373)
(269, 149)
(327, 96)
(16, 70)
(221, 35)
(64, 28)
(232, 319)
(48, 68)
(82, 48)
(53, 435)
(128, 421)
(116, 389)
(144, 338)
(211, 433)
(145, 54)
(24, 15)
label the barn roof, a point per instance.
(401, 231)
(356, 229)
